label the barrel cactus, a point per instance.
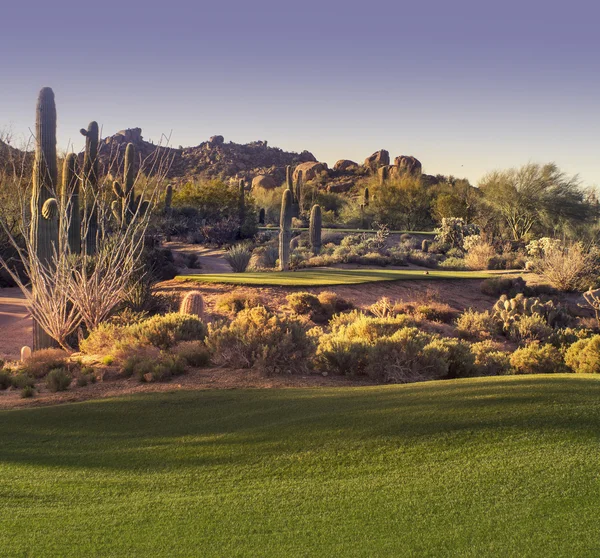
(315, 229)
(193, 304)
(44, 207)
(285, 230)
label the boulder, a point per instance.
(344, 164)
(309, 170)
(408, 164)
(216, 140)
(380, 158)
(264, 181)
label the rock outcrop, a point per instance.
(310, 170)
(408, 164)
(344, 165)
(380, 158)
(264, 181)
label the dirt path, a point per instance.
(210, 259)
(15, 324)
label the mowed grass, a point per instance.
(357, 231)
(320, 277)
(484, 467)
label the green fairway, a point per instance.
(483, 467)
(357, 231)
(319, 277)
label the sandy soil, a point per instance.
(15, 324)
(210, 259)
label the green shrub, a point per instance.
(6, 379)
(348, 357)
(27, 392)
(194, 353)
(583, 356)
(457, 264)
(437, 312)
(159, 331)
(86, 376)
(303, 303)
(237, 301)
(333, 303)
(257, 338)
(537, 359)
(58, 379)
(490, 359)
(458, 356)
(477, 325)
(238, 257)
(148, 364)
(530, 328)
(497, 286)
(23, 380)
(41, 362)
(563, 338)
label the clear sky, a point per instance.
(465, 86)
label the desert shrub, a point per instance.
(369, 329)
(563, 338)
(58, 379)
(496, 286)
(237, 301)
(437, 312)
(536, 358)
(22, 380)
(333, 303)
(453, 231)
(267, 256)
(41, 362)
(383, 308)
(477, 325)
(194, 353)
(583, 356)
(160, 331)
(348, 357)
(490, 359)
(238, 257)
(257, 338)
(27, 392)
(148, 364)
(566, 268)
(530, 328)
(6, 379)
(479, 256)
(423, 259)
(128, 316)
(303, 302)
(86, 376)
(458, 356)
(457, 264)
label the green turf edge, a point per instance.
(316, 278)
(329, 229)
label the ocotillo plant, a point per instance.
(70, 203)
(89, 187)
(315, 229)
(366, 198)
(127, 205)
(44, 208)
(285, 230)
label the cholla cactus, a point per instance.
(453, 231)
(508, 310)
(193, 304)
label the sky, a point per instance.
(466, 87)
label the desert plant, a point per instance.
(127, 205)
(193, 304)
(566, 268)
(6, 379)
(257, 338)
(58, 379)
(238, 257)
(236, 301)
(41, 362)
(536, 358)
(425, 246)
(530, 328)
(583, 356)
(477, 325)
(194, 353)
(285, 230)
(490, 359)
(333, 303)
(315, 229)
(27, 392)
(303, 302)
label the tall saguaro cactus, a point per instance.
(288, 177)
(315, 229)
(127, 205)
(285, 230)
(298, 195)
(242, 201)
(89, 183)
(44, 208)
(70, 203)
(366, 197)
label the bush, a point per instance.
(303, 303)
(58, 379)
(477, 325)
(457, 355)
(457, 264)
(41, 362)
(530, 328)
(497, 286)
(159, 331)
(583, 356)
(479, 256)
(86, 376)
(6, 379)
(238, 257)
(22, 380)
(537, 359)
(437, 312)
(267, 256)
(148, 364)
(257, 338)
(27, 392)
(235, 302)
(566, 268)
(333, 303)
(194, 353)
(490, 360)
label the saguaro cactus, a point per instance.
(192, 303)
(288, 177)
(285, 230)
(315, 229)
(298, 195)
(44, 208)
(70, 203)
(425, 245)
(366, 197)
(89, 186)
(261, 216)
(384, 174)
(168, 199)
(127, 205)
(242, 202)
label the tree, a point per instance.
(535, 199)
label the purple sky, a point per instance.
(464, 86)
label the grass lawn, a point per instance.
(359, 231)
(484, 467)
(336, 276)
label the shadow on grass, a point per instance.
(210, 428)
